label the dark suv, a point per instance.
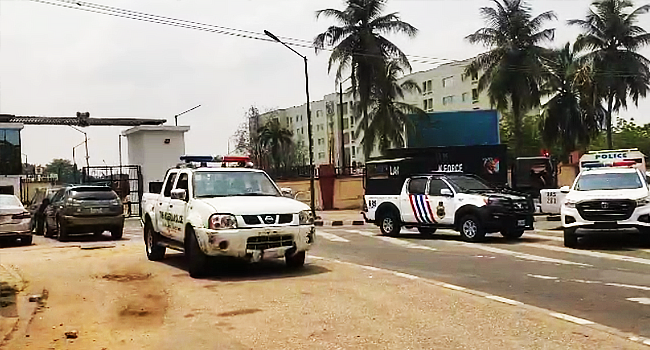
(84, 209)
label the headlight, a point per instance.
(74, 202)
(643, 201)
(495, 201)
(570, 204)
(115, 202)
(222, 222)
(306, 218)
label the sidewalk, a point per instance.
(339, 218)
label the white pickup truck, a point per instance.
(227, 212)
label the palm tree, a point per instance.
(389, 117)
(512, 69)
(612, 38)
(275, 138)
(358, 44)
(572, 116)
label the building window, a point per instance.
(352, 135)
(447, 100)
(352, 122)
(10, 156)
(297, 131)
(474, 95)
(465, 96)
(448, 82)
(302, 131)
(346, 123)
(428, 104)
(297, 120)
(354, 151)
(319, 113)
(288, 120)
(346, 138)
(474, 77)
(321, 155)
(321, 141)
(426, 87)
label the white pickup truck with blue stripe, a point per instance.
(461, 202)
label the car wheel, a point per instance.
(295, 260)
(117, 232)
(26, 240)
(155, 252)
(512, 234)
(471, 229)
(570, 238)
(390, 224)
(63, 231)
(427, 231)
(197, 260)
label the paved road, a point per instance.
(606, 281)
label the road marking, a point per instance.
(406, 275)
(404, 244)
(570, 318)
(644, 301)
(451, 286)
(628, 286)
(543, 277)
(331, 237)
(371, 268)
(504, 300)
(589, 253)
(364, 233)
(550, 238)
(522, 255)
(587, 282)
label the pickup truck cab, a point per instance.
(458, 201)
(605, 197)
(225, 212)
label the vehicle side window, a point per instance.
(58, 196)
(183, 183)
(169, 184)
(418, 186)
(435, 186)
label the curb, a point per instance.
(339, 223)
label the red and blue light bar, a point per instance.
(215, 159)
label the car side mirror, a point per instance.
(446, 192)
(179, 193)
(287, 192)
(565, 189)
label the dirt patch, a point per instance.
(238, 312)
(127, 277)
(146, 309)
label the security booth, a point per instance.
(11, 165)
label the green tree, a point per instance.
(276, 139)
(625, 134)
(388, 118)
(512, 68)
(63, 168)
(571, 117)
(359, 45)
(612, 38)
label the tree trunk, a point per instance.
(518, 129)
(608, 122)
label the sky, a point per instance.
(56, 61)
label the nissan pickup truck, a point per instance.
(457, 201)
(235, 212)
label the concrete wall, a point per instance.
(348, 192)
(567, 174)
(11, 180)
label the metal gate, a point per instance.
(125, 180)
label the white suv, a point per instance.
(605, 198)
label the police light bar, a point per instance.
(202, 159)
(235, 159)
(593, 165)
(624, 163)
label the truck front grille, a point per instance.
(251, 219)
(606, 210)
(268, 242)
(262, 219)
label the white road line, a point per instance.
(550, 238)
(644, 301)
(522, 255)
(504, 300)
(570, 318)
(451, 286)
(403, 243)
(406, 275)
(589, 253)
(364, 233)
(543, 277)
(331, 237)
(646, 342)
(628, 286)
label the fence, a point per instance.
(302, 172)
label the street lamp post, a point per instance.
(179, 114)
(309, 131)
(74, 160)
(86, 143)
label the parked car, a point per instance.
(84, 209)
(14, 219)
(34, 205)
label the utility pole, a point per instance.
(86, 143)
(341, 130)
(179, 114)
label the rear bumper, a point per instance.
(75, 223)
(22, 228)
(235, 243)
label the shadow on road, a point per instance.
(233, 270)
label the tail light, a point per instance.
(23, 215)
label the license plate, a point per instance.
(521, 223)
(96, 210)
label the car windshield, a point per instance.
(610, 181)
(233, 183)
(468, 184)
(7, 201)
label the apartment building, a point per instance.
(445, 88)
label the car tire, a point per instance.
(427, 231)
(62, 231)
(295, 260)
(512, 234)
(155, 252)
(117, 233)
(197, 260)
(389, 223)
(26, 240)
(471, 229)
(570, 238)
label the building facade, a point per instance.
(11, 166)
(336, 131)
